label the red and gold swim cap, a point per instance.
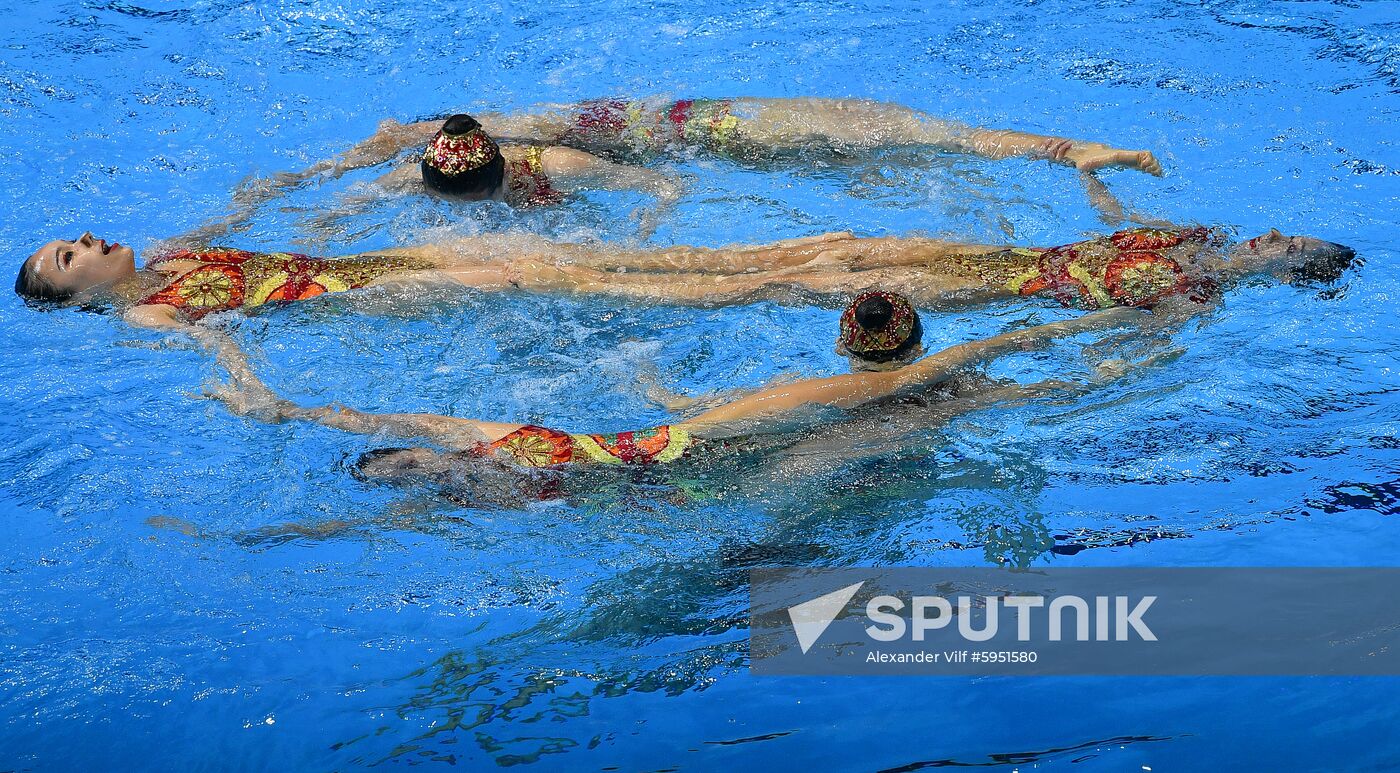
(454, 154)
(878, 325)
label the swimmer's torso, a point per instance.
(223, 279)
(651, 127)
(532, 446)
(1136, 267)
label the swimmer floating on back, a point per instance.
(1137, 267)
(1133, 267)
(768, 418)
(547, 154)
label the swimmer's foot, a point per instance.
(1088, 156)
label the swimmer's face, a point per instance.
(862, 365)
(1295, 258)
(81, 264)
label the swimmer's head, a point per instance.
(462, 160)
(63, 271)
(398, 465)
(464, 477)
(880, 331)
(1292, 258)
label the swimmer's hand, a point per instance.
(256, 191)
(1088, 156)
(668, 193)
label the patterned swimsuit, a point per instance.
(527, 184)
(532, 446)
(641, 126)
(1137, 267)
(233, 279)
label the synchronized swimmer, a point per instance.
(540, 157)
(1137, 267)
(880, 332)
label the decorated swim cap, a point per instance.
(879, 326)
(460, 146)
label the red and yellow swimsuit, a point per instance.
(233, 279)
(526, 183)
(532, 446)
(1136, 267)
(642, 126)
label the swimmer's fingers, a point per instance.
(1143, 161)
(669, 400)
(1056, 148)
(1108, 370)
(648, 219)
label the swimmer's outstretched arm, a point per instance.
(853, 390)
(225, 350)
(247, 395)
(391, 139)
(1111, 210)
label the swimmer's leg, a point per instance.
(708, 289)
(861, 124)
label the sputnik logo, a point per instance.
(810, 618)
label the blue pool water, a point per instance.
(158, 611)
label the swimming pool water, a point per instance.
(183, 588)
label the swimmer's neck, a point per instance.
(129, 290)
